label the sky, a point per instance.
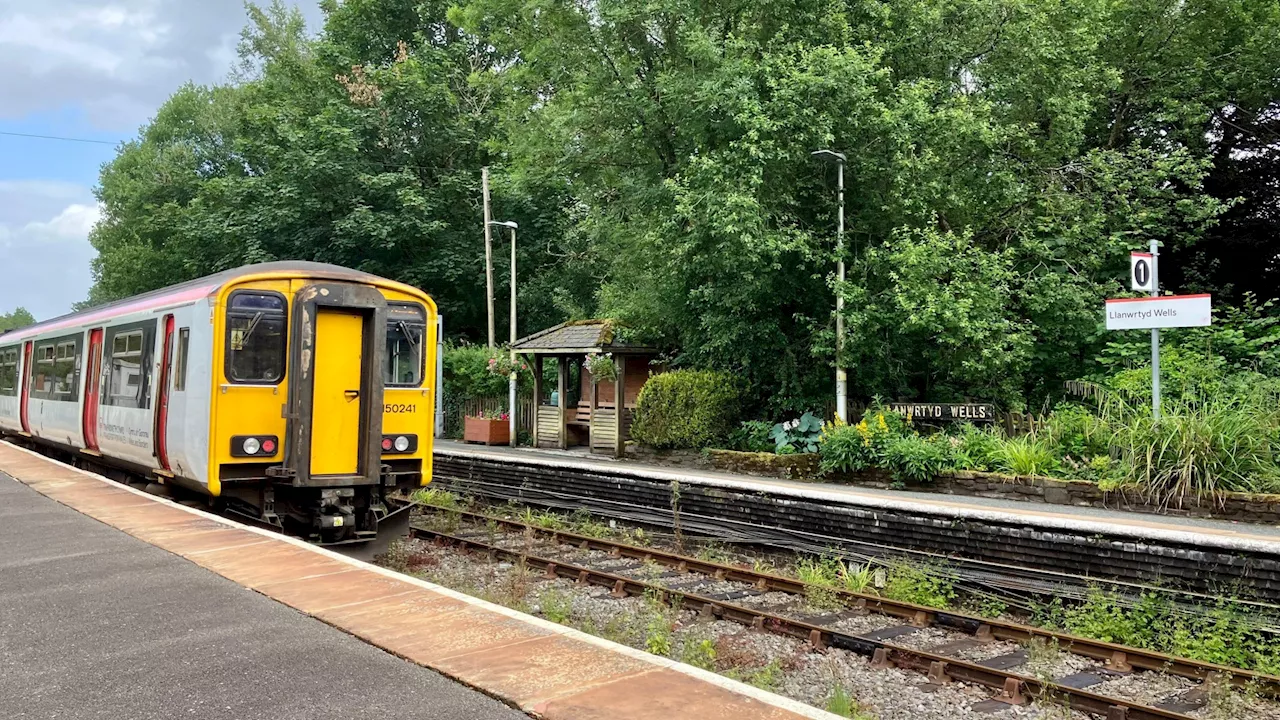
(94, 70)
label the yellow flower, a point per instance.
(883, 426)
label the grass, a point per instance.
(556, 604)
(920, 585)
(1026, 455)
(437, 498)
(840, 702)
(699, 652)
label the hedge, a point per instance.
(687, 409)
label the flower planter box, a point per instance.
(487, 432)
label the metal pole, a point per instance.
(1155, 334)
(511, 391)
(842, 383)
(439, 376)
(488, 253)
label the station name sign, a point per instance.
(972, 412)
(1169, 311)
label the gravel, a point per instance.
(775, 662)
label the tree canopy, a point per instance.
(19, 318)
(1004, 156)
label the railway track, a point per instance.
(491, 535)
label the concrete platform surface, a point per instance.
(1208, 532)
(94, 623)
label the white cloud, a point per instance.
(117, 60)
(44, 264)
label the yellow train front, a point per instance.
(298, 394)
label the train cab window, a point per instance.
(180, 362)
(406, 330)
(9, 371)
(256, 337)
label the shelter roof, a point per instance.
(579, 337)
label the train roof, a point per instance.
(203, 286)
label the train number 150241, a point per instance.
(396, 408)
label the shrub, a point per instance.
(917, 458)
(920, 585)
(466, 373)
(752, 436)
(975, 448)
(1199, 448)
(1074, 432)
(686, 409)
(803, 434)
(1026, 455)
(851, 448)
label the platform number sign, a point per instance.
(1140, 271)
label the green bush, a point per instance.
(1199, 448)
(916, 458)
(752, 436)
(1075, 432)
(852, 448)
(1026, 455)
(975, 448)
(466, 373)
(686, 409)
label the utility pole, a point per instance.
(1155, 334)
(488, 253)
(842, 378)
(511, 381)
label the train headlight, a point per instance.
(251, 446)
(402, 444)
(387, 444)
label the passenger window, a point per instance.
(256, 338)
(42, 373)
(66, 371)
(128, 362)
(406, 330)
(9, 371)
(180, 363)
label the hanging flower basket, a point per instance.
(602, 368)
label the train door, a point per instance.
(335, 411)
(161, 429)
(26, 387)
(92, 389)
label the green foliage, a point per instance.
(752, 436)
(700, 653)
(656, 155)
(1026, 455)
(921, 585)
(840, 702)
(437, 498)
(19, 318)
(602, 367)
(556, 605)
(851, 448)
(916, 458)
(466, 373)
(976, 448)
(802, 434)
(686, 409)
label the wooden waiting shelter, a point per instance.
(583, 411)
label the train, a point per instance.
(298, 394)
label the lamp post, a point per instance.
(842, 381)
(511, 385)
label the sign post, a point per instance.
(1155, 312)
(1155, 333)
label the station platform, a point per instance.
(116, 603)
(1218, 533)
(1044, 544)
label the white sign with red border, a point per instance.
(1141, 271)
(1170, 311)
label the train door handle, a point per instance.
(352, 394)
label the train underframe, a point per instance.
(325, 515)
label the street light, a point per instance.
(511, 389)
(842, 383)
